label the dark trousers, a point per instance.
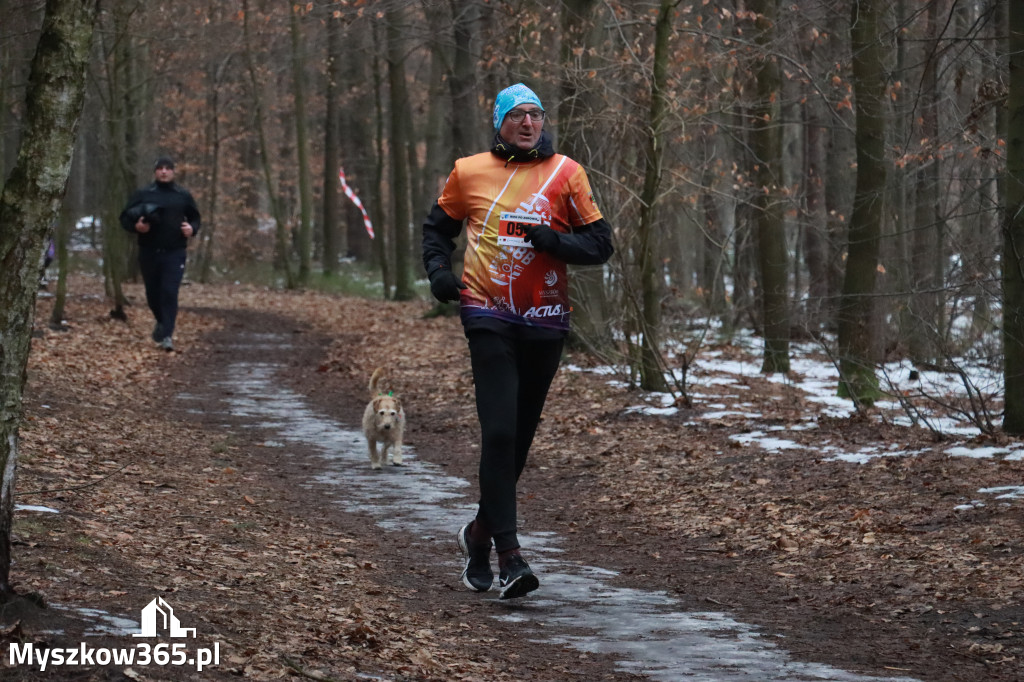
(162, 272)
(512, 378)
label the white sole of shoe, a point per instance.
(464, 548)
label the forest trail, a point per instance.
(245, 498)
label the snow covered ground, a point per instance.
(817, 379)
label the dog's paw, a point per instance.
(397, 463)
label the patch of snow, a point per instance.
(36, 508)
(1008, 492)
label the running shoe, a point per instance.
(477, 575)
(516, 579)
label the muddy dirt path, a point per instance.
(602, 606)
(581, 612)
(230, 478)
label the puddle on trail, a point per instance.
(646, 631)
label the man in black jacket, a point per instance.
(163, 215)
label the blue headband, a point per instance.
(510, 98)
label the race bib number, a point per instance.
(512, 228)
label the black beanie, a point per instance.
(164, 161)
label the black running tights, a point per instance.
(512, 378)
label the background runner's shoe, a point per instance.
(477, 575)
(516, 578)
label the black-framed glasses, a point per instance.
(517, 115)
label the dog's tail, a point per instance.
(375, 381)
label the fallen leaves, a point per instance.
(192, 512)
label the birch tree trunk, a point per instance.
(29, 204)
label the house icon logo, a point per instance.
(158, 615)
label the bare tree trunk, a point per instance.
(466, 137)
(924, 317)
(840, 173)
(65, 224)
(856, 310)
(207, 242)
(899, 271)
(281, 230)
(29, 204)
(380, 243)
(815, 238)
(652, 376)
(122, 131)
(360, 139)
(712, 275)
(438, 129)
(302, 144)
(771, 229)
(6, 75)
(591, 328)
(332, 147)
(399, 140)
(744, 299)
(305, 241)
(1013, 232)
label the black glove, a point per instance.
(444, 285)
(542, 237)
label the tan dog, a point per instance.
(383, 422)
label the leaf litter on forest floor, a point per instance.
(880, 538)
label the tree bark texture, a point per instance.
(815, 236)
(305, 241)
(652, 377)
(29, 205)
(590, 328)
(856, 309)
(280, 229)
(401, 124)
(1013, 232)
(466, 128)
(122, 137)
(771, 228)
(926, 257)
(332, 148)
(384, 236)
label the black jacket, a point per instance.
(165, 205)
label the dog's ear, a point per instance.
(398, 405)
(376, 403)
